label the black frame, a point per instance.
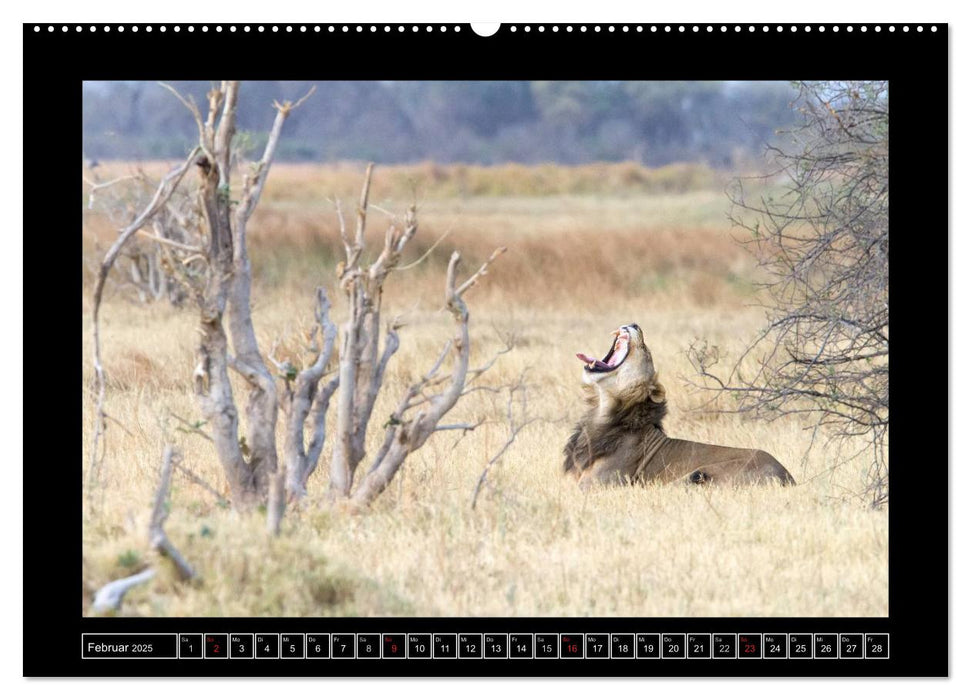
(915, 62)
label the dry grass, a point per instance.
(298, 183)
(578, 266)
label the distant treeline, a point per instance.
(654, 123)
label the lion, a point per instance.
(621, 439)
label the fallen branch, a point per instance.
(110, 596)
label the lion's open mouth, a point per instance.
(615, 356)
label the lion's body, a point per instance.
(621, 439)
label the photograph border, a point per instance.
(916, 65)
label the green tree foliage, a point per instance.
(461, 121)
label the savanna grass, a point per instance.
(583, 259)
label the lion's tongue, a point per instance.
(587, 360)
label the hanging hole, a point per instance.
(485, 28)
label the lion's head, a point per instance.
(626, 374)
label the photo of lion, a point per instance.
(621, 438)
(330, 367)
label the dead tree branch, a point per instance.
(408, 433)
(157, 538)
(201, 483)
(515, 426)
(306, 398)
(96, 186)
(165, 189)
(823, 244)
(194, 428)
(362, 369)
(109, 597)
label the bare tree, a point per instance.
(823, 242)
(212, 263)
(147, 266)
(419, 412)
